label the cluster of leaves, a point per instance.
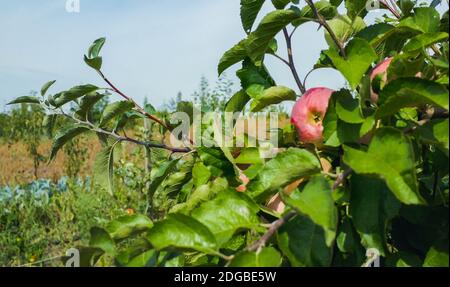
(389, 159)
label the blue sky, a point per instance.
(154, 48)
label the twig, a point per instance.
(291, 61)
(40, 261)
(307, 75)
(429, 114)
(324, 23)
(392, 9)
(138, 107)
(126, 138)
(281, 59)
(340, 179)
(416, 126)
(260, 243)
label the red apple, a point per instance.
(381, 69)
(308, 114)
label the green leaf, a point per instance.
(104, 168)
(437, 256)
(237, 102)
(303, 243)
(101, 239)
(25, 100)
(374, 32)
(272, 96)
(348, 240)
(215, 157)
(250, 155)
(182, 232)
(425, 20)
(402, 66)
(94, 49)
(316, 202)
(330, 121)
(73, 94)
(266, 257)
(249, 12)
(324, 7)
(391, 158)
(114, 110)
(284, 169)
(356, 8)
(228, 212)
(436, 132)
(165, 195)
(360, 55)
(127, 226)
(444, 27)
(259, 40)
(251, 75)
(372, 206)
(47, 86)
(348, 133)
(87, 103)
(232, 56)
(386, 38)
(95, 63)
(406, 6)
(348, 109)
(159, 174)
(344, 29)
(403, 259)
(423, 41)
(281, 4)
(201, 194)
(410, 92)
(145, 259)
(92, 59)
(49, 123)
(200, 174)
(63, 136)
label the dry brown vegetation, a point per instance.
(16, 166)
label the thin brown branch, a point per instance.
(260, 243)
(138, 107)
(324, 23)
(393, 10)
(156, 145)
(281, 59)
(340, 179)
(291, 61)
(118, 137)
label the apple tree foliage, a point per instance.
(381, 182)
